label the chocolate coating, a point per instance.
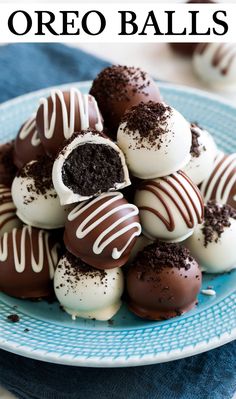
(54, 121)
(28, 273)
(28, 146)
(163, 282)
(7, 167)
(118, 88)
(103, 231)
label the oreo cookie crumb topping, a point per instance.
(113, 82)
(92, 168)
(195, 148)
(159, 255)
(77, 270)
(41, 174)
(217, 218)
(13, 318)
(150, 120)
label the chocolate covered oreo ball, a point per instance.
(35, 198)
(28, 258)
(203, 153)
(8, 218)
(163, 282)
(7, 168)
(220, 185)
(88, 165)
(170, 207)
(215, 64)
(118, 88)
(62, 114)
(156, 140)
(103, 231)
(27, 146)
(87, 292)
(213, 242)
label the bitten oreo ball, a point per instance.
(213, 242)
(28, 258)
(118, 88)
(88, 165)
(170, 207)
(203, 153)
(156, 140)
(35, 198)
(62, 114)
(220, 185)
(103, 231)
(87, 292)
(163, 282)
(7, 168)
(27, 146)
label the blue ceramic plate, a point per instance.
(127, 340)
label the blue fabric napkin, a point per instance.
(210, 375)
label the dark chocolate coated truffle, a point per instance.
(118, 88)
(28, 258)
(163, 282)
(7, 168)
(62, 114)
(103, 231)
(28, 146)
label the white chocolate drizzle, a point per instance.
(222, 179)
(30, 128)
(19, 250)
(69, 118)
(101, 243)
(7, 207)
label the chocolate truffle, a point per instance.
(221, 183)
(118, 88)
(170, 207)
(8, 218)
(163, 282)
(7, 168)
(35, 198)
(156, 140)
(89, 164)
(28, 146)
(87, 292)
(203, 153)
(62, 114)
(28, 258)
(215, 64)
(213, 242)
(103, 231)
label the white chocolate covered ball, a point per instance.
(215, 64)
(215, 255)
(203, 153)
(156, 140)
(87, 292)
(37, 205)
(170, 207)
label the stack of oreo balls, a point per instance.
(102, 199)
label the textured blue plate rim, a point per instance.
(161, 357)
